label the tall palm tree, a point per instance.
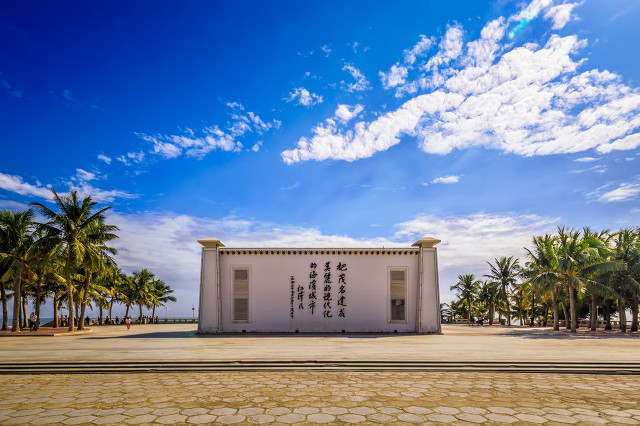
(574, 255)
(17, 235)
(466, 287)
(74, 229)
(505, 272)
(161, 294)
(542, 267)
(625, 273)
(488, 294)
(142, 285)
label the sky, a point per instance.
(324, 124)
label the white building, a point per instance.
(322, 290)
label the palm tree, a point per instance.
(504, 272)
(625, 273)
(17, 235)
(542, 269)
(142, 283)
(466, 286)
(488, 294)
(75, 230)
(574, 256)
(161, 294)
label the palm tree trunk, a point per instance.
(5, 313)
(140, 312)
(491, 312)
(634, 311)
(100, 318)
(110, 308)
(55, 311)
(70, 305)
(506, 301)
(623, 315)
(567, 318)
(24, 310)
(17, 295)
(85, 297)
(556, 319)
(153, 314)
(468, 305)
(573, 307)
(607, 314)
(38, 297)
(594, 312)
(126, 314)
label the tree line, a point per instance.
(572, 273)
(67, 257)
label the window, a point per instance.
(241, 294)
(398, 293)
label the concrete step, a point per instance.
(612, 368)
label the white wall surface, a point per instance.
(367, 292)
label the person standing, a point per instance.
(128, 322)
(32, 322)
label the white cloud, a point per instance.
(132, 157)
(211, 138)
(420, 48)
(446, 179)
(396, 76)
(560, 14)
(256, 146)
(344, 113)
(326, 49)
(449, 48)
(586, 159)
(477, 238)
(526, 99)
(361, 83)
(303, 97)
(85, 176)
(12, 90)
(235, 106)
(17, 185)
(104, 158)
(13, 205)
(623, 192)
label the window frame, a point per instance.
(390, 319)
(233, 293)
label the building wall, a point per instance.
(367, 306)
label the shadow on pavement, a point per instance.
(562, 334)
(192, 334)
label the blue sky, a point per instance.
(324, 124)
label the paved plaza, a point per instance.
(321, 397)
(178, 342)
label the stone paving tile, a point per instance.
(141, 419)
(559, 418)
(201, 419)
(107, 420)
(48, 420)
(321, 418)
(623, 420)
(230, 419)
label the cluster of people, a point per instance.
(63, 321)
(148, 320)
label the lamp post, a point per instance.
(193, 312)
